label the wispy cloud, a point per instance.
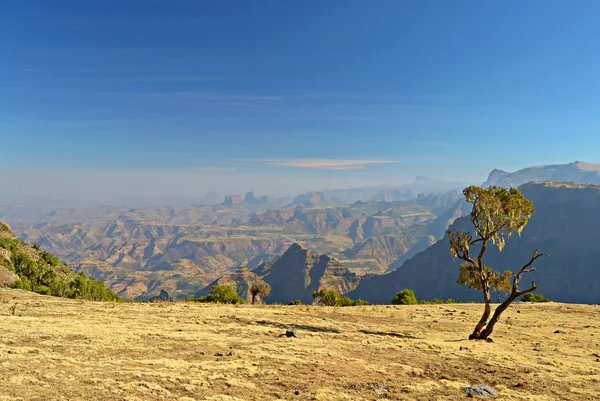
(325, 164)
(213, 169)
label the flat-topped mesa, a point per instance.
(233, 200)
(299, 271)
(250, 199)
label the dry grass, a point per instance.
(71, 350)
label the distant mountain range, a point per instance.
(573, 172)
(139, 252)
(421, 185)
(181, 249)
(564, 226)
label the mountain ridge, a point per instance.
(561, 207)
(573, 172)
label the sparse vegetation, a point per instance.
(496, 212)
(437, 301)
(295, 302)
(331, 298)
(222, 294)
(259, 288)
(405, 297)
(364, 350)
(531, 297)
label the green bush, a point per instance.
(437, 301)
(405, 297)
(531, 297)
(42, 289)
(332, 298)
(49, 258)
(10, 244)
(222, 294)
(295, 302)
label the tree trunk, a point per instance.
(253, 298)
(486, 314)
(490, 326)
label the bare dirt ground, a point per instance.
(57, 349)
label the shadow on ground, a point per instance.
(314, 329)
(389, 334)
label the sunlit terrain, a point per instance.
(53, 348)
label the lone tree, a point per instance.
(259, 287)
(497, 213)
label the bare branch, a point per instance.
(519, 293)
(515, 290)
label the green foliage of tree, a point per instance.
(222, 294)
(331, 298)
(497, 214)
(531, 297)
(24, 266)
(405, 297)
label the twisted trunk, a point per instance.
(486, 314)
(478, 333)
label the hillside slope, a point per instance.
(564, 225)
(32, 269)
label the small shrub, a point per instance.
(332, 298)
(295, 302)
(43, 290)
(531, 297)
(405, 297)
(222, 294)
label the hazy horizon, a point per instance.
(151, 99)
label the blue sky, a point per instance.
(187, 97)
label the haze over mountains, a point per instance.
(140, 251)
(181, 249)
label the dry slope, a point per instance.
(63, 349)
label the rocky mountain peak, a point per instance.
(299, 271)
